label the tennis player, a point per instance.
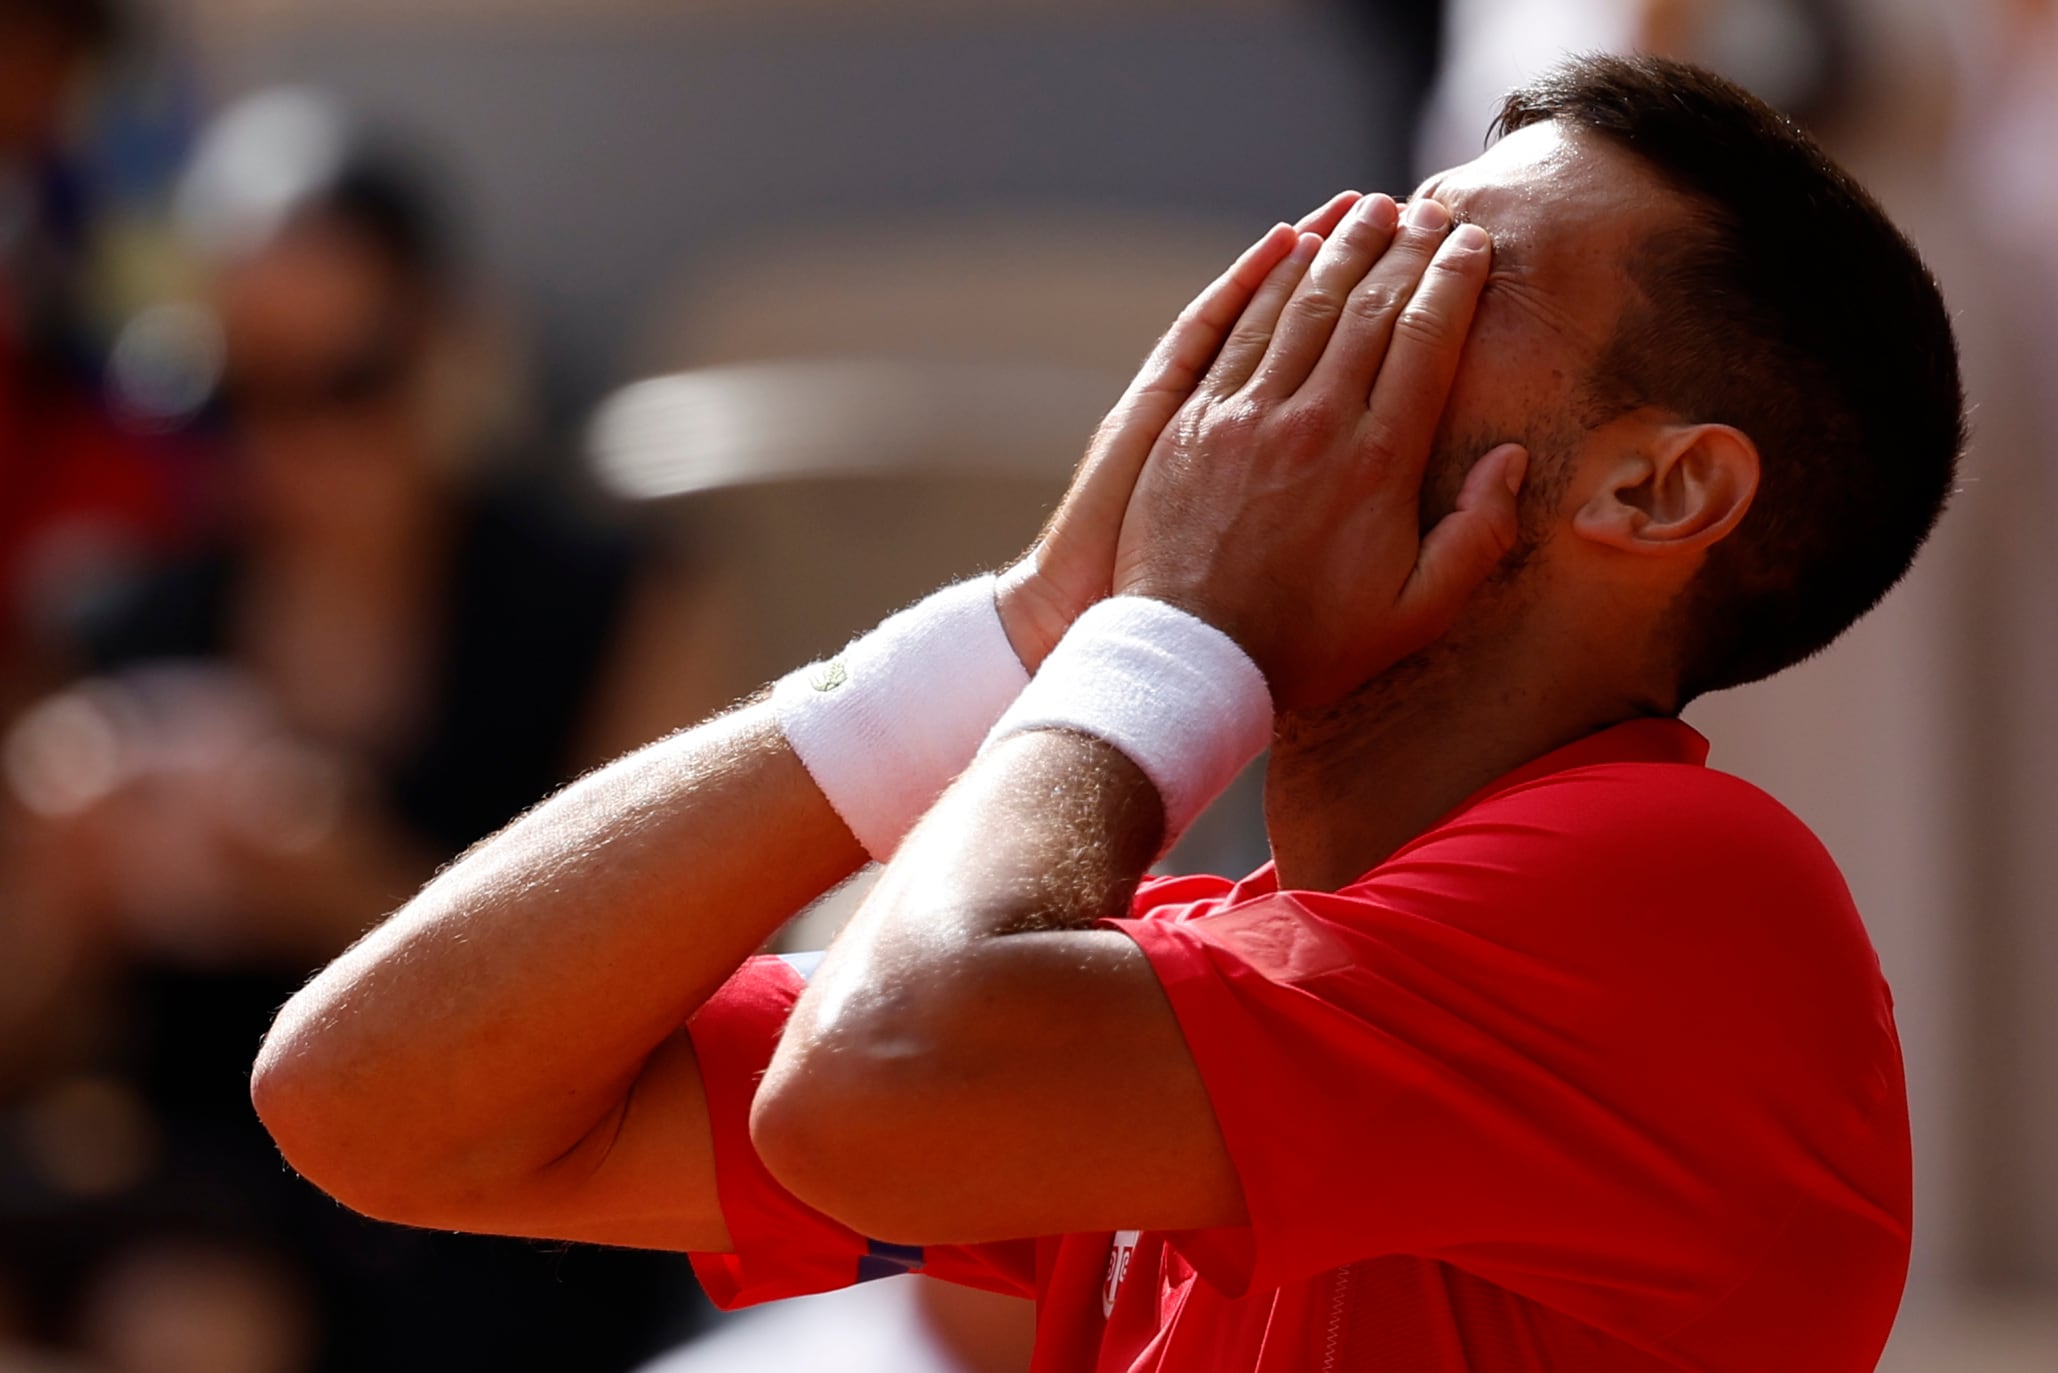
(1539, 1045)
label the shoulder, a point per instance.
(1680, 899)
(1689, 834)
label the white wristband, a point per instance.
(888, 723)
(1175, 694)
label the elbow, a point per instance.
(850, 1125)
(297, 1097)
(329, 1132)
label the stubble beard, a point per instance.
(1494, 610)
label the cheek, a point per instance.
(1509, 388)
(1483, 409)
(1508, 378)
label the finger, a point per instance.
(1100, 489)
(1419, 360)
(1190, 345)
(1356, 349)
(1324, 220)
(1247, 342)
(1467, 544)
(1305, 325)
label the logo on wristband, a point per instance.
(829, 676)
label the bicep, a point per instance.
(1045, 1088)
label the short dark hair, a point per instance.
(1790, 307)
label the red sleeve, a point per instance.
(1593, 1041)
(781, 1246)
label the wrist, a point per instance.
(884, 726)
(1031, 612)
(1175, 694)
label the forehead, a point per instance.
(1566, 210)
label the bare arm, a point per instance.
(506, 1054)
(974, 1060)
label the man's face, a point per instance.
(1566, 211)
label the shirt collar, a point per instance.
(1647, 739)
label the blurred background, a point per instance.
(404, 406)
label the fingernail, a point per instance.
(1515, 471)
(1469, 237)
(1305, 248)
(1425, 212)
(1378, 211)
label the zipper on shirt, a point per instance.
(1339, 1311)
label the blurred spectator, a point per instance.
(390, 656)
(82, 496)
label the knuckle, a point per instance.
(1382, 440)
(1375, 300)
(1245, 337)
(1230, 421)
(1421, 325)
(1241, 416)
(1317, 301)
(1309, 421)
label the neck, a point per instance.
(1348, 787)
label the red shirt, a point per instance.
(79, 499)
(1597, 1074)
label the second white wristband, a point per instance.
(1174, 694)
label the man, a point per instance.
(1539, 1045)
(82, 497)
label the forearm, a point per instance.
(975, 1060)
(925, 1061)
(499, 1019)
(1049, 830)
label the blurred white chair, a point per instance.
(1057, 287)
(827, 493)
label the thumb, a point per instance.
(1466, 545)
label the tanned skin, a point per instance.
(974, 1060)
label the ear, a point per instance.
(1682, 493)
